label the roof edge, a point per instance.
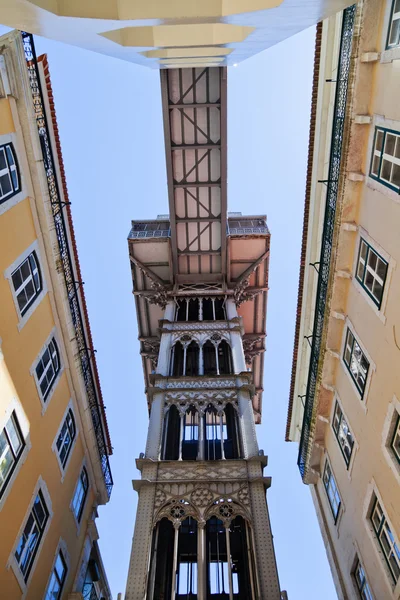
(314, 96)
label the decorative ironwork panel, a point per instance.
(328, 228)
(72, 286)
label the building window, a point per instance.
(11, 447)
(27, 282)
(66, 437)
(385, 163)
(394, 25)
(332, 491)
(57, 579)
(386, 539)
(343, 434)
(395, 443)
(28, 544)
(78, 501)
(356, 362)
(48, 368)
(9, 176)
(371, 271)
(361, 582)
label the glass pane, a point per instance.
(394, 33)
(10, 156)
(16, 279)
(377, 290)
(14, 436)
(390, 144)
(386, 170)
(29, 290)
(40, 511)
(54, 588)
(396, 173)
(379, 140)
(3, 162)
(60, 567)
(381, 269)
(5, 183)
(6, 459)
(369, 280)
(14, 178)
(375, 165)
(22, 300)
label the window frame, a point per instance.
(45, 399)
(343, 417)
(362, 393)
(377, 532)
(396, 433)
(336, 514)
(63, 553)
(31, 258)
(9, 169)
(361, 586)
(63, 465)
(390, 24)
(16, 456)
(23, 318)
(13, 140)
(51, 347)
(378, 178)
(78, 515)
(362, 281)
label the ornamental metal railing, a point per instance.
(247, 230)
(57, 205)
(332, 183)
(158, 233)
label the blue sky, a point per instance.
(110, 121)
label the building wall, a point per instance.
(23, 222)
(372, 211)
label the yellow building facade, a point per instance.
(54, 442)
(344, 405)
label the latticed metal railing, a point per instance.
(247, 230)
(85, 352)
(328, 228)
(158, 233)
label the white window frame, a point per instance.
(337, 400)
(392, 416)
(390, 53)
(63, 470)
(391, 265)
(45, 402)
(34, 247)
(11, 138)
(369, 502)
(12, 561)
(375, 184)
(15, 406)
(336, 519)
(61, 547)
(372, 367)
(391, 159)
(71, 506)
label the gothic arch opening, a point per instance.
(171, 439)
(192, 359)
(190, 438)
(228, 555)
(177, 353)
(173, 567)
(209, 358)
(225, 365)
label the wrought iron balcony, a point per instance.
(339, 114)
(66, 257)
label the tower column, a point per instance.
(201, 561)
(239, 362)
(155, 427)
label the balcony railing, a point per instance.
(72, 286)
(158, 233)
(247, 230)
(339, 115)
